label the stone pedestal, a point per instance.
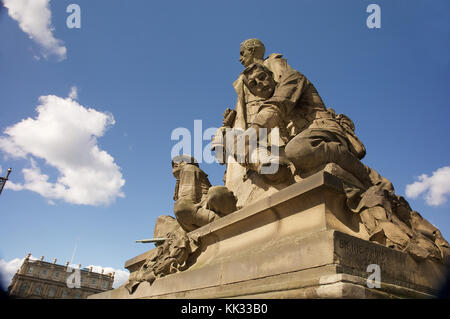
(300, 242)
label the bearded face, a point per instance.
(259, 81)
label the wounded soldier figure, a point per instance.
(310, 135)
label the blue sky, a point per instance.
(155, 66)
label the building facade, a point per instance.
(38, 279)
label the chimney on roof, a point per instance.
(28, 256)
(90, 269)
(79, 266)
(42, 258)
(67, 263)
(54, 260)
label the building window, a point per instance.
(56, 274)
(77, 295)
(64, 294)
(51, 292)
(30, 270)
(105, 285)
(37, 290)
(23, 289)
(44, 272)
(93, 282)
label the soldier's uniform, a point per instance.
(197, 203)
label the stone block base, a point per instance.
(300, 242)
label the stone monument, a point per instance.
(299, 215)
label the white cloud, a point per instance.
(12, 148)
(436, 188)
(8, 269)
(34, 18)
(64, 134)
(120, 276)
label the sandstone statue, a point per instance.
(310, 137)
(273, 95)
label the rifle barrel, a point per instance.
(151, 240)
